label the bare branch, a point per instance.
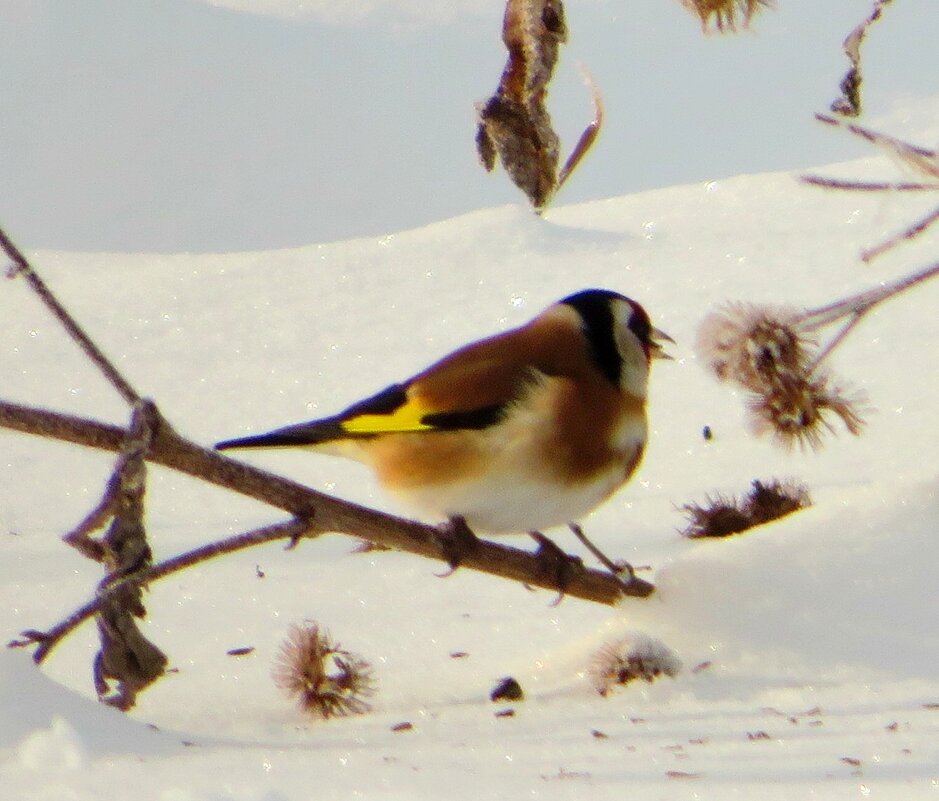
(328, 513)
(866, 186)
(47, 640)
(22, 267)
(919, 159)
(903, 236)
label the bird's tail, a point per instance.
(300, 435)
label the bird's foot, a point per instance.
(620, 568)
(555, 563)
(456, 539)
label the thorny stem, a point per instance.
(47, 640)
(75, 331)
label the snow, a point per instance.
(808, 646)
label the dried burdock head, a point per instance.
(798, 410)
(636, 656)
(726, 14)
(721, 516)
(514, 124)
(768, 352)
(773, 499)
(326, 680)
(754, 346)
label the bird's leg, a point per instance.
(456, 539)
(555, 563)
(617, 568)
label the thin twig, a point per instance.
(867, 186)
(846, 329)
(589, 135)
(921, 159)
(47, 640)
(904, 236)
(75, 331)
(863, 302)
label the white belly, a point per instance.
(497, 503)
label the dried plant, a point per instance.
(514, 124)
(326, 680)
(726, 14)
(773, 354)
(752, 344)
(722, 515)
(919, 160)
(797, 409)
(773, 499)
(768, 352)
(636, 656)
(849, 103)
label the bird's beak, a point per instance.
(656, 350)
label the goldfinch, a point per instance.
(523, 431)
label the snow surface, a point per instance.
(810, 646)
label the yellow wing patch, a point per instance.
(403, 419)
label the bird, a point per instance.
(522, 431)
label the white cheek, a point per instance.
(634, 377)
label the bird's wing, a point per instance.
(473, 394)
(470, 389)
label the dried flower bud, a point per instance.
(637, 656)
(752, 345)
(725, 12)
(303, 668)
(721, 516)
(796, 410)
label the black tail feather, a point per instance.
(303, 434)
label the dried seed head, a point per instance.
(725, 13)
(326, 680)
(773, 499)
(752, 345)
(721, 515)
(797, 409)
(637, 656)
